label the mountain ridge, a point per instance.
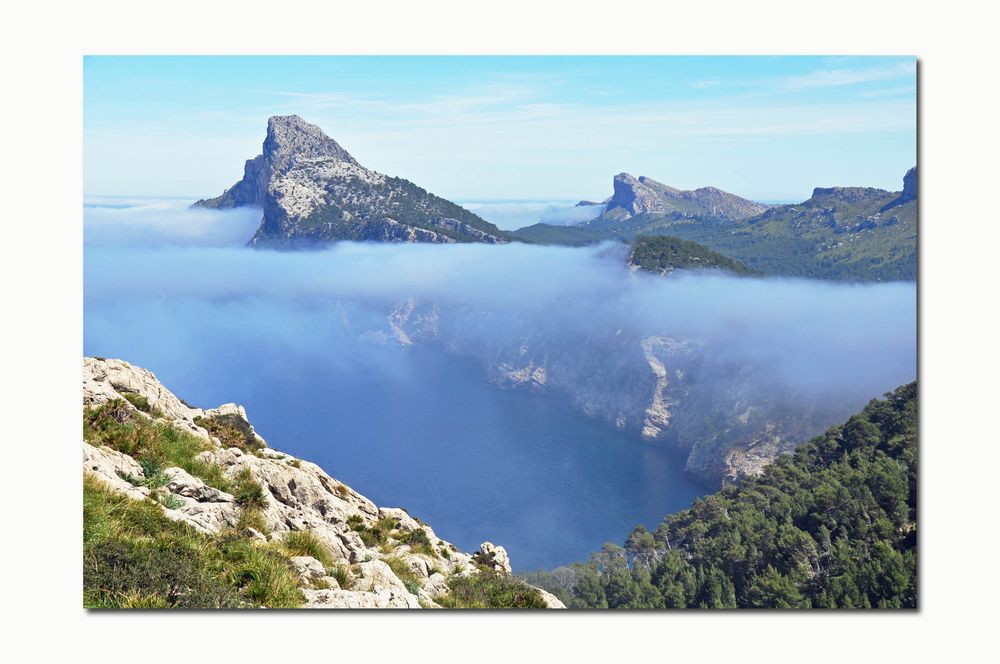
(313, 191)
(643, 195)
(839, 233)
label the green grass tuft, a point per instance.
(305, 543)
(490, 591)
(405, 572)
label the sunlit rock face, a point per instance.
(635, 196)
(297, 495)
(313, 192)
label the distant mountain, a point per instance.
(644, 196)
(858, 233)
(662, 254)
(840, 233)
(313, 192)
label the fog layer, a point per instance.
(511, 215)
(315, 343)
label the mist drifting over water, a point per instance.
(175, 290)
(840, 337)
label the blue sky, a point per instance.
(510, 128)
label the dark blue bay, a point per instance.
(424, 430)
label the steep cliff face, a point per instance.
(731, 420)
(375, 557)
(312, 191)
(909, 186)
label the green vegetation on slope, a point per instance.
(661, 254)
(833, 525)
(154, 444)
(842, 233)
(488, 590)
(231, 430)
(135, 557)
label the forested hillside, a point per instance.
(663, 254)
(839, 233)
(833, 525)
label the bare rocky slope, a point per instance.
(297, 497)
(312, 192)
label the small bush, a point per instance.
(252, 518)
(320, 584)
(247, 491)
(263, 575)
(211, 474)
(405, 572)
(142, 403)
(490, 591)
(418, 541)
(169, 500)
(251, 495)
(375, 536)
(232, 430)
(305, 543)
(342, 574)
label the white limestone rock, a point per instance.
(298, 496)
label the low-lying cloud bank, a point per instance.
(146, 222)
(511, 215)
(150, 296)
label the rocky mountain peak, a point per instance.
(643, 195)
(289, 137)
(313, 192)
(909, 185)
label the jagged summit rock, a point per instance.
(289, 137)
(634, 196)
(909, 185)
(314, 192)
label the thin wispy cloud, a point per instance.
(518, 128)
(832, 78)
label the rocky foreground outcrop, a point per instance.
(313, 192)
(297, 496)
